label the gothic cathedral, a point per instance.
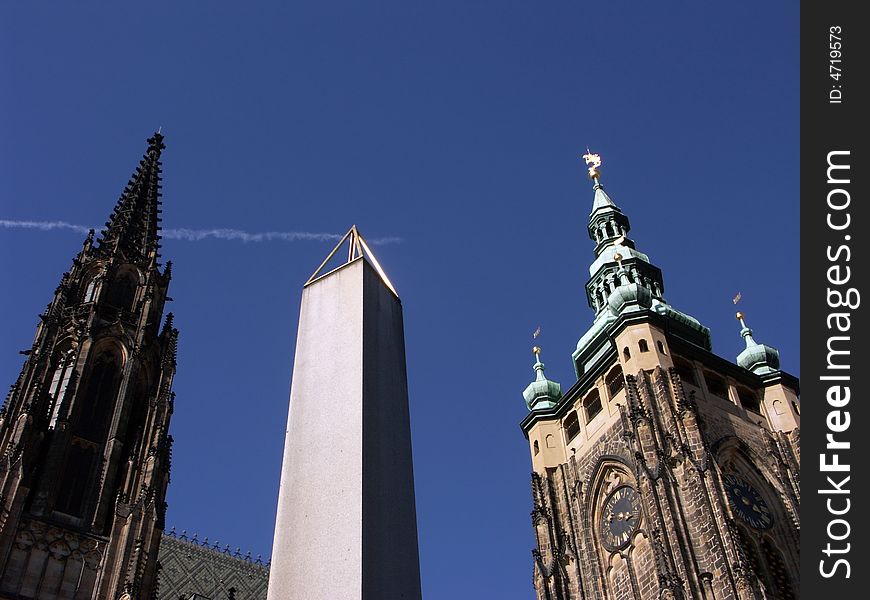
(84, 443)
(665, 471)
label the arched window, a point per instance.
(90, 290)
(123, 291)
(626, 353)
(661, 347)
(614, 381)
(550, 440)
(716, 385)
(571, 425)
(536, 447)
(749, 399)
(96, 403)
(592, 405)
(136, 421)
(643, 346)
(59, 382)
(686, 371)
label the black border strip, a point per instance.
(834, 107)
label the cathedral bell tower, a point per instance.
(84, 441)
(664, 471)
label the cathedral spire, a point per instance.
(133, 227)
(618, 266)
(623, 280)
(758, 358)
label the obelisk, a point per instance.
(346, 525)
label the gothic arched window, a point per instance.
(123, 291)
(643, 346)
(661, 347)
(626, 353)
(59, 382)
(90, 290)
(96, 403)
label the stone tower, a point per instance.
(664, 471)
(84, 442)
(346, 526)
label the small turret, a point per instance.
(541, 393)
(761, 359)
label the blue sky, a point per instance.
(455, 126)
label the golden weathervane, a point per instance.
(594, 161)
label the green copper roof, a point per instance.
(607, 253)
(761, 359)
(623, 281)
(542, 393)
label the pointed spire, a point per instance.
(133, 227)
(761, 359)
(541, 393)
(601, 200)
(621, 277)
(356, 248)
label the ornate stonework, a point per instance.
(84, 433)
(665, 471)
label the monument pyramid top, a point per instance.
(357, 248)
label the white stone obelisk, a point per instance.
(346, 525)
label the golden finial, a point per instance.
(739, 316)
(618, 258)
(594, 161)
(537, 352)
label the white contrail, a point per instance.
(195, 235)
(43, 225)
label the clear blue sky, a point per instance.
(456, 126)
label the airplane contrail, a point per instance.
(195, 235)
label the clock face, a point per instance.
(748, 503)
(620, 517)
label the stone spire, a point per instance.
(541, 393)
(85, 450)
(132, 229)
(761, 359)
